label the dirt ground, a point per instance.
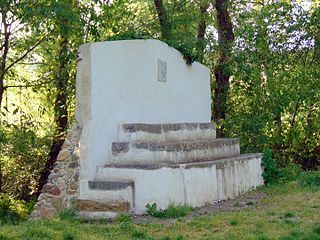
(248, 200)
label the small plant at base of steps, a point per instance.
(171, 212)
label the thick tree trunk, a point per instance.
(201, 44)
(165, 24)
(221, 71)
(60, 115)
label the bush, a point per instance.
(12, 211)
(291, 172)
(271, 173)
(310, 178)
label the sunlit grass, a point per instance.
(289, 211)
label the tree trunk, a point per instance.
(165, 24)
(221, 71)
(4, 49)
(201, 44)
(1, 93)
(60, 114)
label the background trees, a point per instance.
(264, 57)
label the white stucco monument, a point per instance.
(146, 135)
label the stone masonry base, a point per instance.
(62, 189)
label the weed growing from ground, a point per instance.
(68, 236)
(67, 214)
(171, 212)
(2, 237)
(123, 218)
(136, 234)
(288, 214)
(234, 222)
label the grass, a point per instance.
(289, 212)
(171, 212)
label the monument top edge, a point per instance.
(134, 42)
(126, 41)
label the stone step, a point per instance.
(101, 208)
(194, 184)
(166, 132)
(173, 152)
(109, 191)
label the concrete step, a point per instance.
(194, 184)
(110, 191)
(109, 185)
(166, 132)
(173, 152)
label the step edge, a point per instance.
(155, 166)
(111, 185)
(164, 127)
(123, 147)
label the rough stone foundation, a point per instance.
(62, 189)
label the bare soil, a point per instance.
(249, 200)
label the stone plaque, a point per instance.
(162, 70)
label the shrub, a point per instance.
(271, 173)
(12, 211)
(310, 178)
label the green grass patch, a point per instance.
(289, 211)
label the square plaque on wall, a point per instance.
(162, 70)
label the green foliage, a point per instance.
(171, 212)
(124, 218)
(22, 156)
(187, 49)
(12, 211)
(274, 96)
(271, 173)
(310, 178)
(234, 222)
(68, 236)
(128, 35)
(288, 214)
(273, 100)
(291, 172)
(136, 234)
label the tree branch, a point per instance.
(27, 85)
(24, 55)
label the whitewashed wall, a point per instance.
(117, 82)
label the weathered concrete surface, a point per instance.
(117, 83)
(193, 184)
(111, 190)
(109, 185)
(173, 152)
(166, 132)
